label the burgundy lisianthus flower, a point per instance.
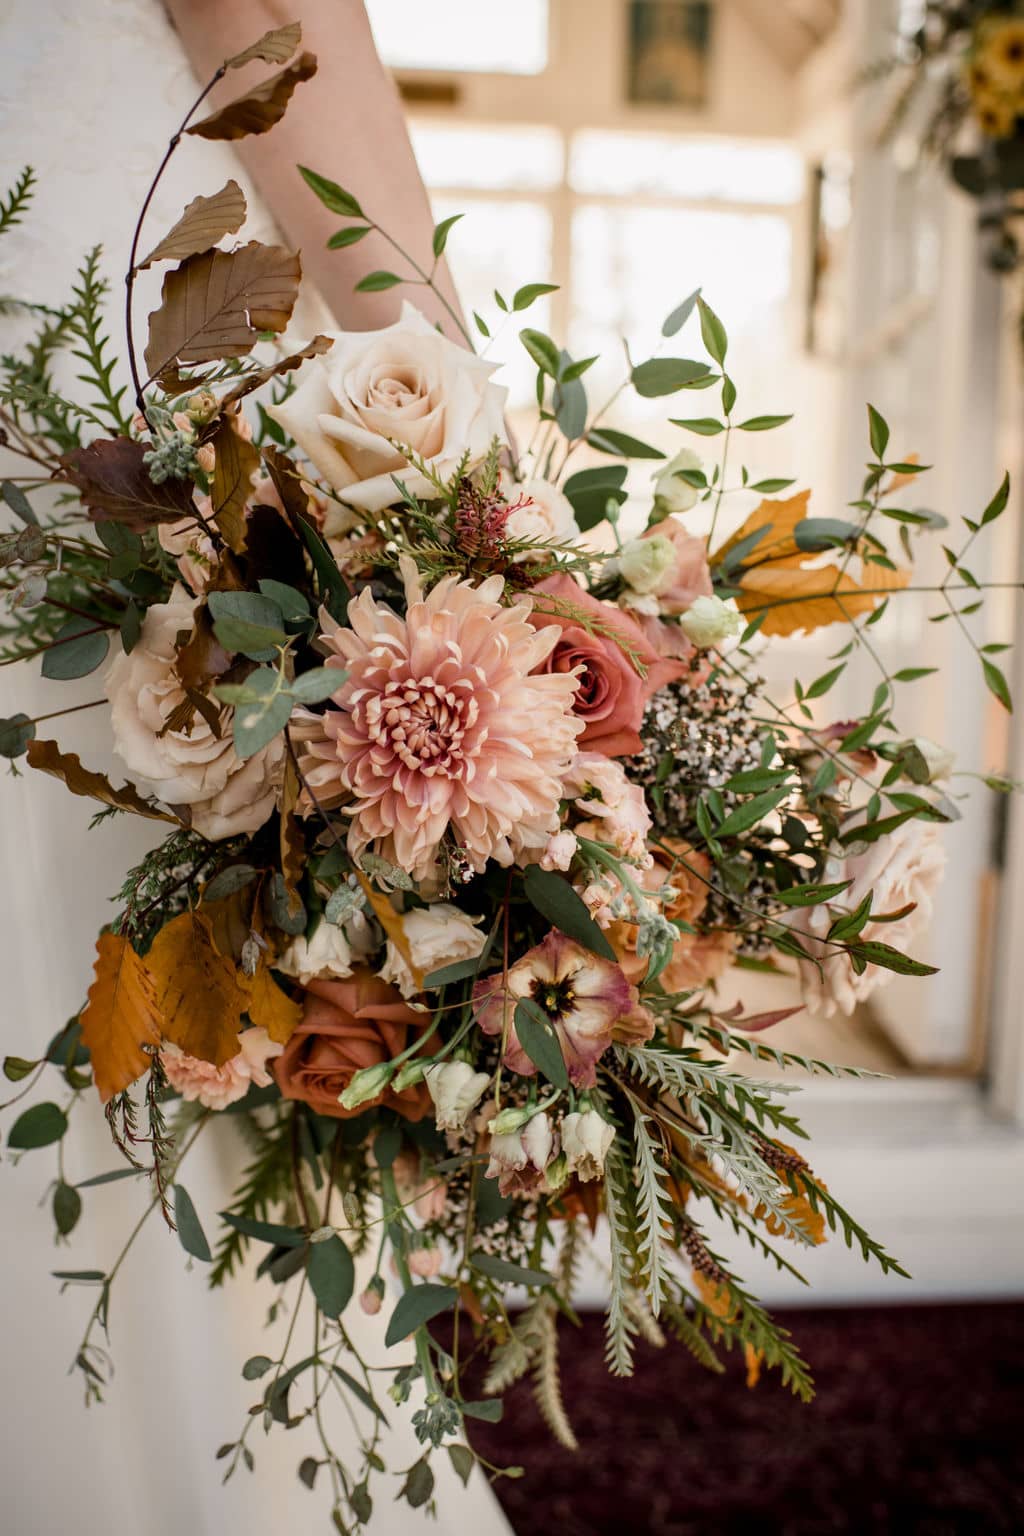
(583, 995)
(610, 692)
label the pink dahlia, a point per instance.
(583, 996)
(444, 726)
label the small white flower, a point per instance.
(709, 621)
(327, 954)
(519, 1158)
(437, 936)
(586, 1138)
(455, 1089)
(647, 565)
(671, 494)
(560, 851)
(938, 760)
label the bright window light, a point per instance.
(478, 35)
(700, 170)
(506, 159)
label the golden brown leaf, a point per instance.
(201, 657)
(67, 766)
(793, 597)
(287, 484)
(275, 47)
(270, 1006)
(120, 1017)
(292, 843)
(215, 305)
(205, 221)
(259, 109)
(198, 992)
(392, 925)
(235, 463)
(753, 1358)
(781, 518)
(232, 919)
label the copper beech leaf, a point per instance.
(257, 110)
(67, 766)
(793, 597)
(205, 221)
(262, 376)
(275, 47)
(121, 1016)
(215, 305)
(112, 479)
(235, 463)
(198, 991)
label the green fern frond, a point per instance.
(14, 206)
(620, 1326)
(87, 326)
(547, 1382)
(653, 1209)
(683, 1328)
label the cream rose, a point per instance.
(438, 935)
(326, 956)
(406, 384)
(540, 511)
(189, 767)
(903, 867)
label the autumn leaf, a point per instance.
(269, 1006)
(251, 381)
(121, 1016)
(198, 991)
(67, 766)
(115, 486)
(217, 304)
(235, 463)
(260, 108)
(393, 927)
(201, 657)
(779, 519)
(275, 47)
(205, 221)
(231, 921)
(287, 484)
(292, 844)
(792, 596)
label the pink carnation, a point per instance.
(217, 1087)
(445, 726)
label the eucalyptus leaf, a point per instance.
(316, 686)
(622, 445)
(39, 1126)
(18, 502)
(554, 898)
(15, 734)
(190, 1229)
(509, 1274)
(538, 1039)
(679, 316)
(79, 647)
(416, 1307)
(666, 375)
(331, 1276)
(67, 1208)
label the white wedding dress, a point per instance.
(90, 92)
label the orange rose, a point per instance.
(697, 958)
(348, 1025)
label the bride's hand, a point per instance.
(348, 124)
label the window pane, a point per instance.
(461, 34)
(667, 165)
(498, 159)
(500, 244)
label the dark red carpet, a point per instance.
(917, 1430)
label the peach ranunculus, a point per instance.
(615, 807)
(445, 720)
(901, 868)
(217, 1087)
(225, 794)
(610, 693)
(583, 995)
(347, 1026)
(407, 385)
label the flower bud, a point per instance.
(455, 1089)
(648, 564)
(709, 621)
(201, 407)
(206, 458)
(586, 1138)
(671, 494)
(938, 761)
(424, 1262)
(372, 1298)
(366, 1084)
(557, 1172)
(409, 1074)
(508, 1121)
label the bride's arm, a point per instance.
(348, 124)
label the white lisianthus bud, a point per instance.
(455, 1089)
(508, 1121)
(201, 407)
(709, 621)
(671, 494)
(366, 1084)
(938, 760)
(647, 565)
(556, 1173)
(413, 1072)
(586, 1138)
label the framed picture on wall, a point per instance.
(668, 52)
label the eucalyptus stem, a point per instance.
(389, 1191)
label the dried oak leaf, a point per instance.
(67, 766)
(205, 221)
(115, 485)
(121, 1016)
(235, 463)
(198, 991)
(215, 305)
(270, 1006)
(256, 380)
(287, 483)
(257, 110)
(274, 47)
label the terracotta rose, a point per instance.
(347, 1025)
(610, 693)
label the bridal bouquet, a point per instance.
(462, 801)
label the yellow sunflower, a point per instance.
(1001, 55)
